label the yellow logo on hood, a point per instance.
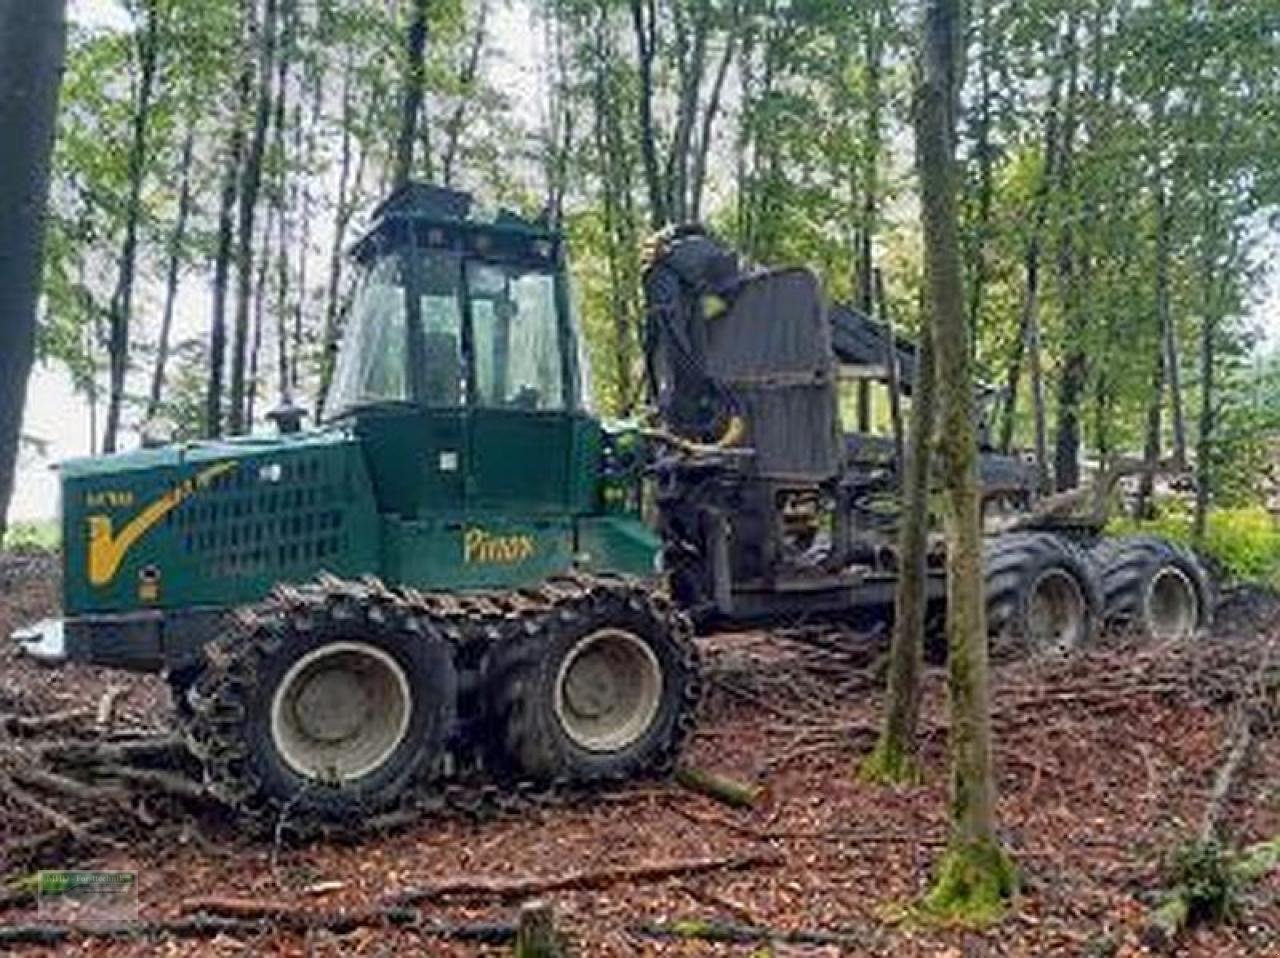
(107, 548)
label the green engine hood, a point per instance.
(213, 523)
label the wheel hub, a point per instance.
(1056, 612)
(1173, 608)
(341, 711)
(608, 690)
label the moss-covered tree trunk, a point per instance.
(974, 878)
(893, 759)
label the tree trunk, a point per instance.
(32, 45)
(1066, 466)
(226, 239)
(644, 21)
(874, 48)
(259, 317)
(1143, 507)
(288, 25)
(467, 73)
(894, 757)
(975, 877)
(1027, 346)
(411, 97)
(122, 299)
(983, 151)
(1204, 441)
(350, 178)
(250, 183)
(698, 177)
(177, 239)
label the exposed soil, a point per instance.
(1105, 764)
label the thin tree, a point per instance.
(121, 306)
(250, 184)
(177, 240)
(226, 233)
(32, 45)
(468, 70)
(412, 94)
(644, 23)
(975, 878)
(894, 757)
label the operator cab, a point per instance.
(451, 311)
(459, 365)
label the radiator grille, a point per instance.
(267, 516)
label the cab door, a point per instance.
(521, 424)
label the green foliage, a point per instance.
(1243, 543)
(1204, 872)
(42, 535)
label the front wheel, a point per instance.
(602, 687)
(322, 706)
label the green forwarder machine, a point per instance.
(452, 577)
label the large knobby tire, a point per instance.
(321, 709)
(603, 687)
(1042, 593)
(1153, 587)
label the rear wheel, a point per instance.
(1153, 586)
(1042, 594)
(322, 707)
(604, 687)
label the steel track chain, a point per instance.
(477, 626)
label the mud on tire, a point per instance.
(1153, 586)
(602, 687)
(1043, 594)
(234, 725)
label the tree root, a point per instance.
(974, 885)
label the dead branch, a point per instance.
(32, 845)
(507, 889)
(166, 783)
(35, 777)
(35, 724)
(733, 933)
(209, 926)
(148, 748)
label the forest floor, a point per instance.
(1105, 764)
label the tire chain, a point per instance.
(479, 627)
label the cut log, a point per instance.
(722, 789)
(508, 889)
(107, 705)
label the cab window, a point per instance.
(371, 361)
(516, 337)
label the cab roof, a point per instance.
(422, 206)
